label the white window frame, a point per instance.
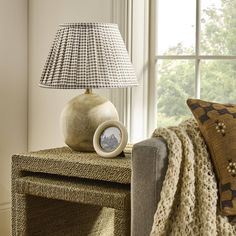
(132, 103)
(197, 56)
(138, 106)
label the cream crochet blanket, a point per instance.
(188, 204)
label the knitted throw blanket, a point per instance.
(188, 204)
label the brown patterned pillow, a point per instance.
(217, 123)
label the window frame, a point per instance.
(132, 103)
(197, 57)
(138, 105)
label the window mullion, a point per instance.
(197, 48)
(193, 57)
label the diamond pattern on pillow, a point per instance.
(217, 123)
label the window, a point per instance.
(195, 55)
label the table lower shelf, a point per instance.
(101, 193)
(57, 205)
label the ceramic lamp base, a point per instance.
(81, 117)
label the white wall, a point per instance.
(30, 113)
(45, 105)
(13, 96)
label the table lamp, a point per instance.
(87, 56)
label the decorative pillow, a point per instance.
(217, 123)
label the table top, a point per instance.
(64, 161)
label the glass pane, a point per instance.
(218, 81)
(176, 27)
(175, 85)
(218, 27)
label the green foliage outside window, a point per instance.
(217, 77)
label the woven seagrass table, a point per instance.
(62, 192)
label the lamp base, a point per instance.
(81, 117)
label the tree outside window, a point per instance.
(196, 55)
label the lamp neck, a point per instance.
(88, 91)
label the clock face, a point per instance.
(110, 139)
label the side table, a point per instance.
(62, 192)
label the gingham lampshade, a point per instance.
(88, 55)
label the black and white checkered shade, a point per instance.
(88, 55)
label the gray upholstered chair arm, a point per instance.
(149, 164)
